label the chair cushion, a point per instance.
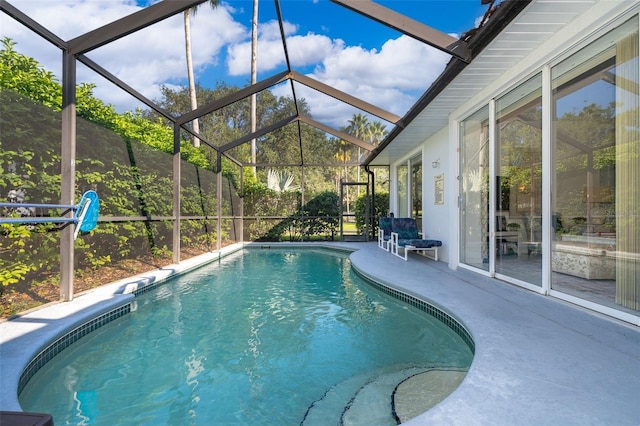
(385, 224)
(405, 227)
(419, 243)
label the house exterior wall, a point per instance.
(441, 221)
(436, 217)
(596, 21)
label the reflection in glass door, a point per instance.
(403, 191)
(474, 190)
(519, 183)
(592, 209)
(596, 248)
(416, 190)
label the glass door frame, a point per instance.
(548, 180)
(407, 165)
(493, 209)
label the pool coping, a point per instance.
(28, 336)
(537, 359)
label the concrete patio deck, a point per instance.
(538, 360)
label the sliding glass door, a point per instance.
(596, 145)
(518, 218)
(416, 189)
(585, 246)
(403, 191)
(474, 190)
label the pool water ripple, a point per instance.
(253, 339)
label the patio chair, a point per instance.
(384, 233)
(405, 236)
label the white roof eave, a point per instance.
(530, 29)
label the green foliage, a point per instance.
(322, 215)
(14, 265)
(91, 256)
(280, 180)
(24, 75)
(268, 207)
(26, 248)
(124, 158)
(381, 209)
(272, 215)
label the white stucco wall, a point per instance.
(603, 17)
(441, 221)
(437, 219)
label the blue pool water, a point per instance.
(266, 337)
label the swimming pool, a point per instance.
(265, 337)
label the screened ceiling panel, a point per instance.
(282, 87)
(130, 48)
(279, 147)
(331, 151)
(103, 86)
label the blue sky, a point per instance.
(325, 41)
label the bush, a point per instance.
(322, 215)
(381, 209)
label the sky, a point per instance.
(324, 40)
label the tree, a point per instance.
(280, 181)
(321, 215)
(342, 154)
(24, 75)
(192, 84)
(359, 127)
(377, 132)
(380, 209)
(254, 75)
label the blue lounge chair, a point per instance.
(405, 236)
(384, 233)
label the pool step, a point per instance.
(341, 398)
(372, 404)
(328, 409)
(422, 391)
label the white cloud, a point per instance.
(383, 78)
(156, 56)
(311, 49)
(55, 14)
(271, 30)
(145, 60)
(388, 77)
(303, 51)
(402, 63)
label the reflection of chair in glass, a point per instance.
(501, 223)
(533, 235)
(506, 240)
(405, 235)
(384, 233)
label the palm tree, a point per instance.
(254, 75)
(192, 84)
(358, 127)
(280, 181)
(377, 132)
(343, 153)
(343, 156)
